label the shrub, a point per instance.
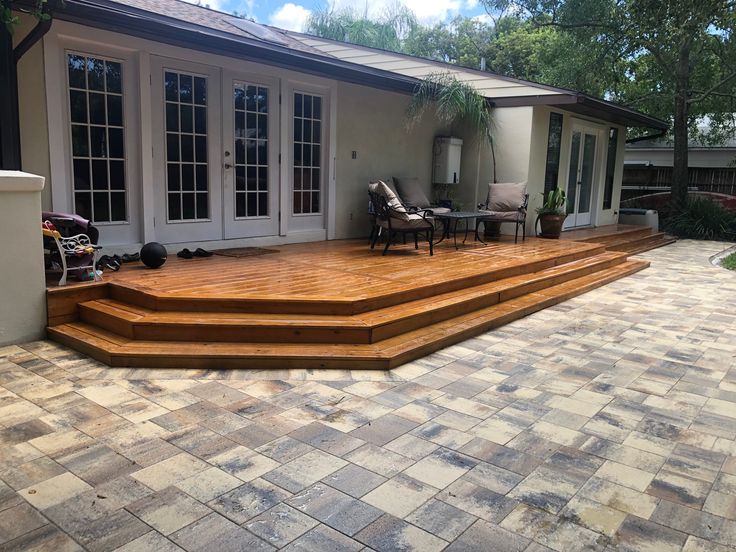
(702, 219)
(729, 262)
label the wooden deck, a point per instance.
(326, 304)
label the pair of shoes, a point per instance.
(106, 262)
(199, 252)
(131, 257)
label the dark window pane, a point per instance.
(114, 77)
(252, 202)
(240, 124)
(187, 177)
(187, 118)
(202, 207)
(117, 205)
(239, 97)
(172, 177)
(201, 174)
(240, 179)
(95, 77)
(81, 174)
(262, 152)
(263, 126)
(263, 100)
(251, 100)
(97, 109)
(200, 120)
(171, 86)
(315, 202)
(297, 179)
(240, 205)
(315, 156)
(240, 151)
(307, 135)
(298, 135)
(77, 68)
(554, 141)
(307, 160)
(250, 124)
(200, 91)
(610, 167)
(297, 155)
(185, 91)
(201, 149)
(263, 179)
(80, 141)
(101, 206)
(251, 152)
(115, 110)
(172, 147)
(172, 117)
(115, 137)
(297, 202)
(263, 205)
(307, 106)
(252, 180)
(297, 105)
(99, 175)
(83, 204)
(316, 132)
(187, 207)
(306, 199)
(117, 175)
(187, 147)
(174, 206)
(78, 106)
(98, 141)
(316, 184)
(317, 107)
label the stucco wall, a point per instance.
(372, 123)
(32, 108)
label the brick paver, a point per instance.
(607, 422)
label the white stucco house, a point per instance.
(164, 121)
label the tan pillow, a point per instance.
(506, 196)
(410, 190)
(382, 189)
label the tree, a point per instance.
(679, 51)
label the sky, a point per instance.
(293, 14)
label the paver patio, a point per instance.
(607, 422)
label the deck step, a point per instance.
(134, 322)
(651, 241)
(117, 350)
(615, 235)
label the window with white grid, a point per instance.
(187, 183)
(251, 150)
(95, 86)
(307, 154)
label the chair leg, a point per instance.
(373, 231)
(374, 237)
(388, 243)
(516, 235)
(430, 235)
(416, 240)
(523, 231)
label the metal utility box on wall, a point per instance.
(446, 160)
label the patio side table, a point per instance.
(450, 221)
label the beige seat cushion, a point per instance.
(500, 215)
(414, 222)
(508, 196)
(381, 188)
(411, 192)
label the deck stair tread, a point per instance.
(613, 235)
(134, 321)
(118, 350)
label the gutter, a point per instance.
(36, 34)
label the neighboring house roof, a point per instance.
(695, 140)
(188, 25)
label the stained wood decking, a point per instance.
(327, 304)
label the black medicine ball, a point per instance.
(153, 255)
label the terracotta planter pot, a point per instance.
(551, 226)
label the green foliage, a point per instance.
(553, 203)
(10, 21)
(729, 262)
(701, 219)
(453, 102)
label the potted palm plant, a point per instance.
(551, 215)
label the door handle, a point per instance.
(228, 166)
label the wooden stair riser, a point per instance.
(652, 241)
(653, 245)
(606, 239)
(62, 303)
(137, 297)
(118, 351)
(142, 324)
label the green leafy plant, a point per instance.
(701, 219)
(729, 262)
(553, 203)
(11, 21)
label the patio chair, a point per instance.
(392, 217)
(71, 242)
(505, 202)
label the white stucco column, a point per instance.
(22, 279)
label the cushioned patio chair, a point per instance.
(392, 217)
(505, 202)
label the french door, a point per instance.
(581, 180)
(187, 151)
(251, 156)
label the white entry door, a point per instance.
(581, 181)
(308, 130)
(187, 151)
(251, 156)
